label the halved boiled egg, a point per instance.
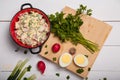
(81, 60)
(65, 60)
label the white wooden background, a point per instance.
(107, 63)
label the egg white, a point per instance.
(85, 60)
(62, 64)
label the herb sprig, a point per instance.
(83, 10)
(67, 29)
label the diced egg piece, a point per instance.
(81, 60)
(65, 60)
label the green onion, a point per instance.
(68, 77)
(46, 52)
(89, 69)
(54, 58)
(14, 70)
(17, 50)
(23, 72)
(25, 78)
(45, 46)
(86, 56)
(25, 51)
(80, 70)
(86, 78)
(57, 74)
(17, 70)
(32, 77)
(104, 78)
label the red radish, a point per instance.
(56, 47)
(41, 66)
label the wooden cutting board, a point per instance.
(92, 29)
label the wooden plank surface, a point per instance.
(94, 75)
(107, 63)
(106, 10)
(109, 55)
(92, 29)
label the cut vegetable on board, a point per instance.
(78, 36)
(81, 60)
(65, 59)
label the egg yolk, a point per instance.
(66, 58)
(80, 59)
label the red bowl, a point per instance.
(16, 19)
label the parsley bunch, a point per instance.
(67, 28)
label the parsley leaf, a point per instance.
(68, 28)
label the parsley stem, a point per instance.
(68, 28)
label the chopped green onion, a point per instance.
(68, 77)
(86, 56)
(54, 58)
(86, 78)
(17, 50)
(80, 70)
(89, 69)
(25, 51)
(57, 74)
(45, 46)
(104, 78)
(46, 52)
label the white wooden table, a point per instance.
(107, 63)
